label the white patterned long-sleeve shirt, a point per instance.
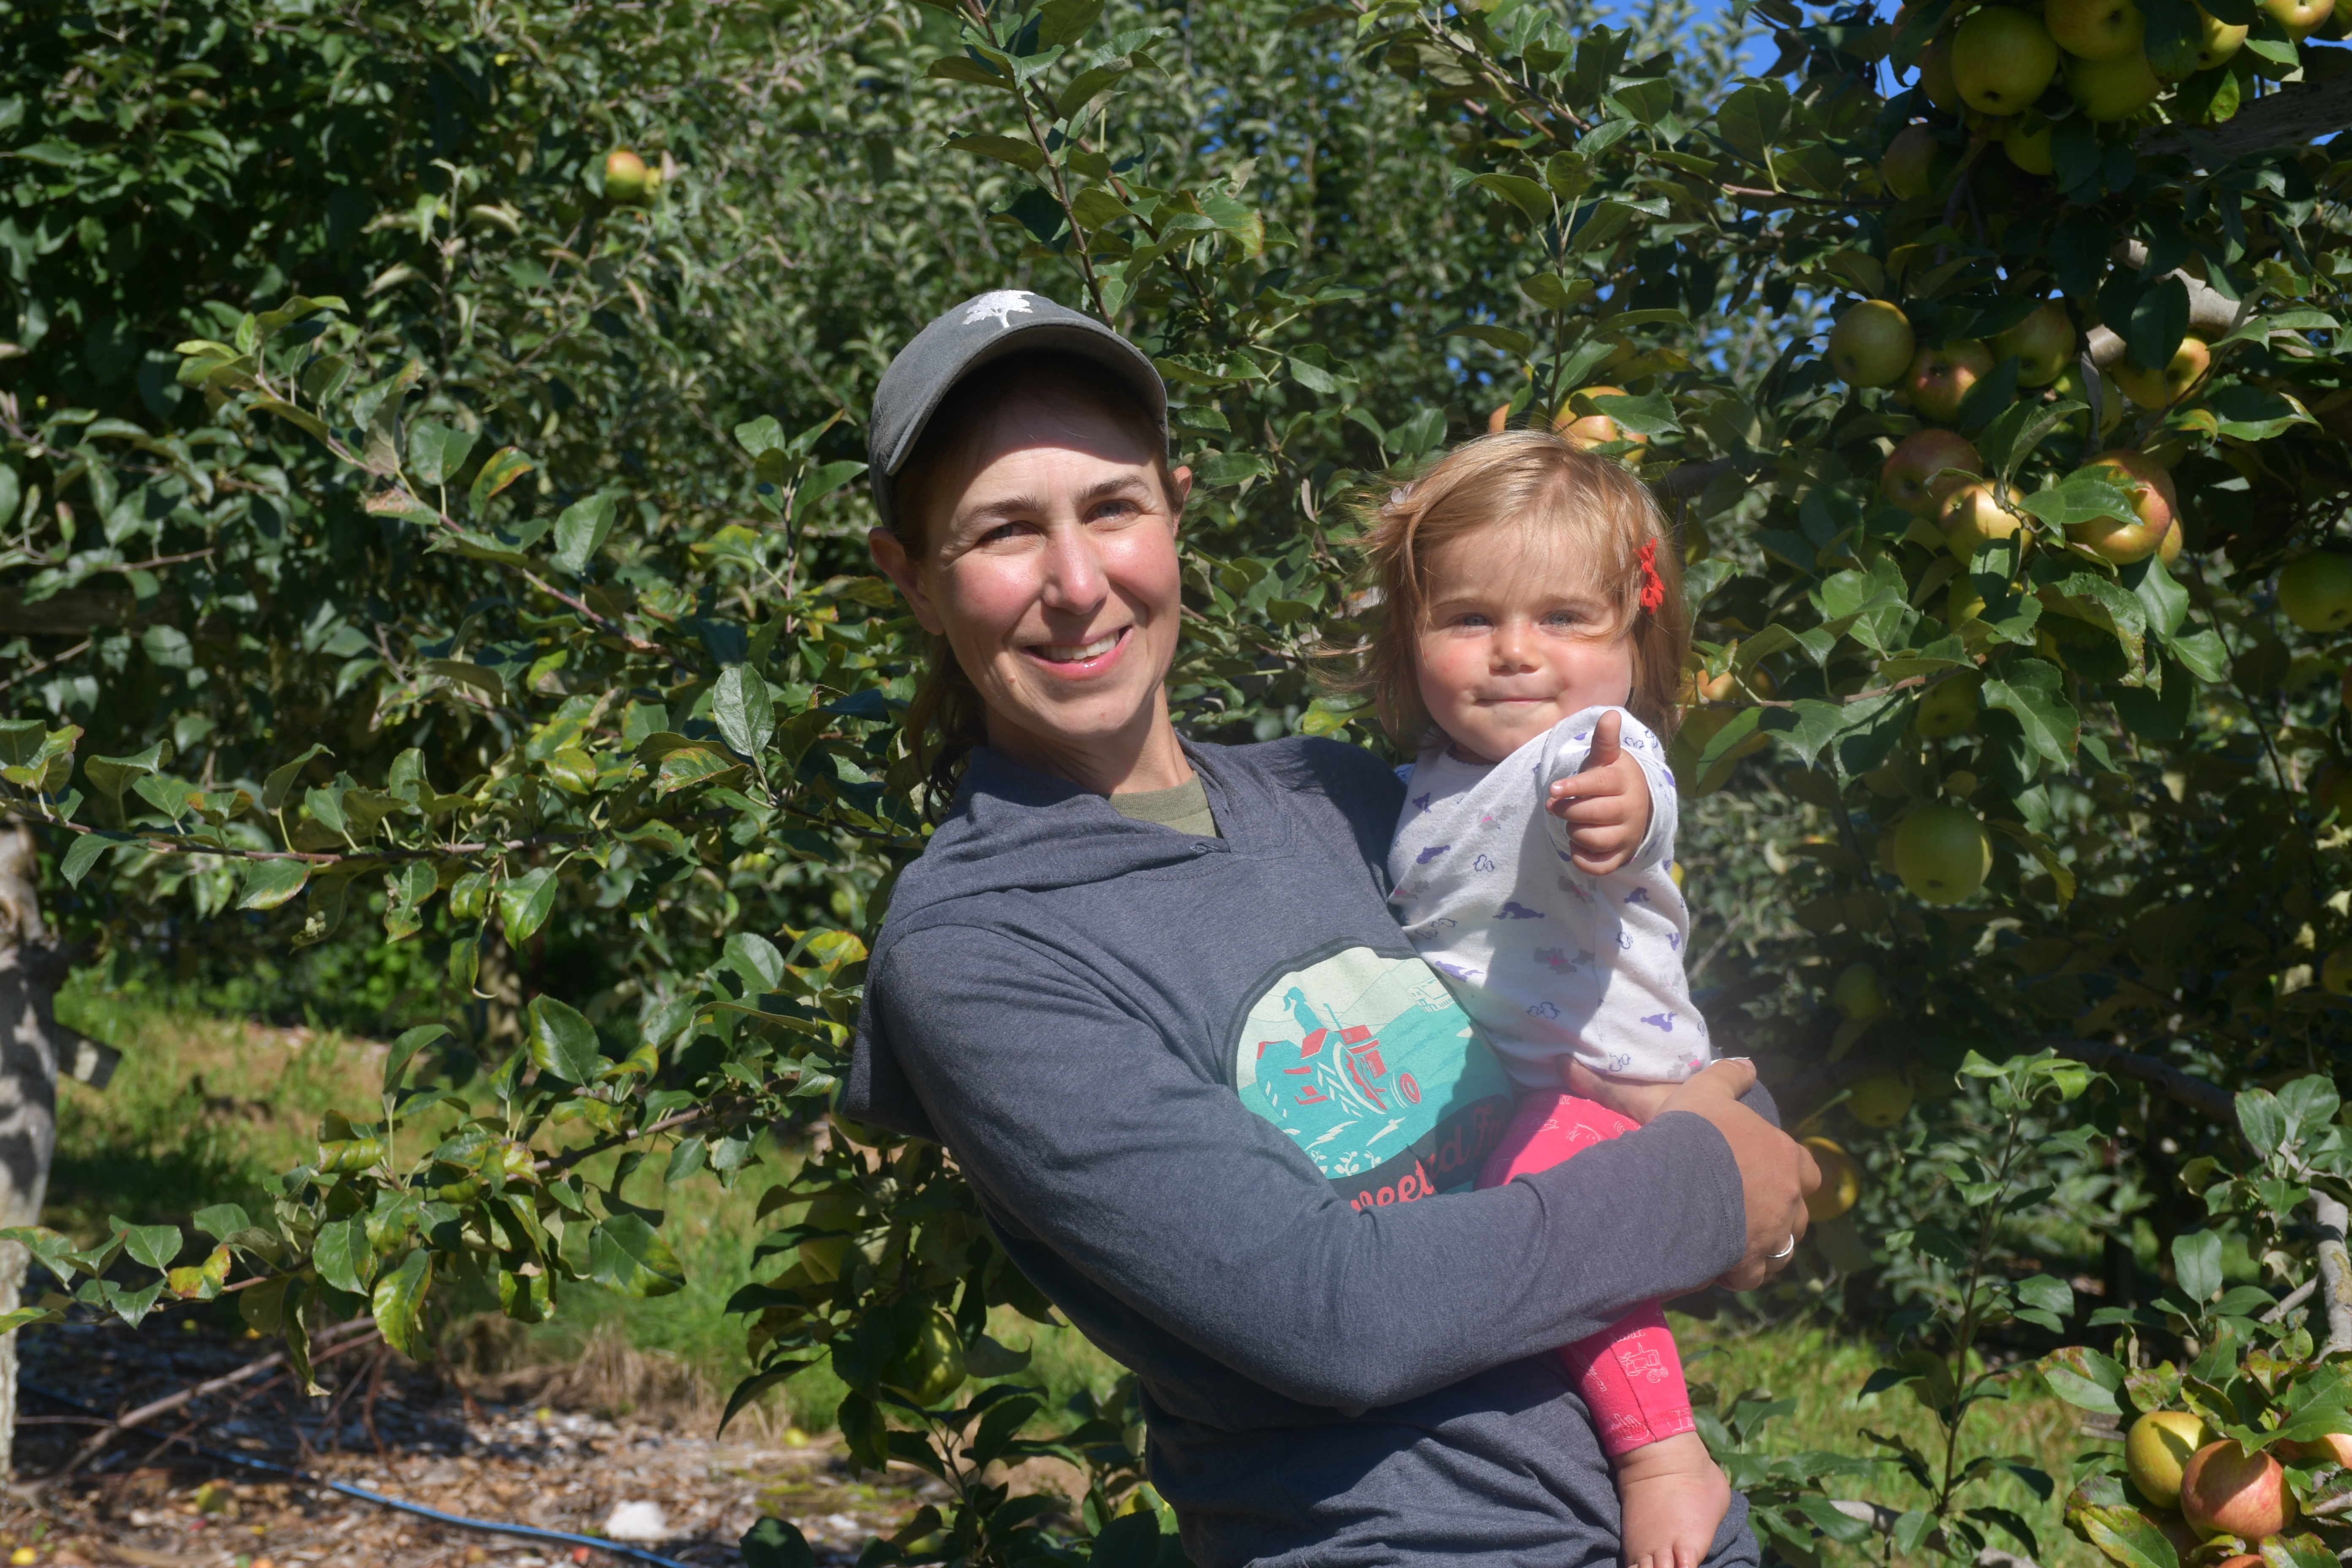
(1549, 961)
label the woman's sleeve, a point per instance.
(1074, 1121)
(1572, 743)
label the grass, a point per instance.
(205, 1110)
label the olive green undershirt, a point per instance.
(1184, 808)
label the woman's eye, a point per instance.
(1003, 533)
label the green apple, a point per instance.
(1925, 467)
(1941, 377)
(2217, 41)
(1872, 344)
(2301, 18)
(2153, 529)
(1910, 166)
(2026, 138)
(1972, 516)
(2002, 57)
(2336, 973)
(1942, 853)
(1880, 1101)
(2163, 388)
(2070, 386)
(2315, 590)
(2113, 90)
(1949, 707)
(626, 178)
(2094, 30)
(1936, 75)
(1962, 603)
(1857, 995)
(2044, 342)
(2158, 1448)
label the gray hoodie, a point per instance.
(1219, 1111)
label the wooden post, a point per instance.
(31, 966)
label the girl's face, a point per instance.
(1517, 638)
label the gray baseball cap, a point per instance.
(959, 340)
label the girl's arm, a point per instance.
(1612, 796)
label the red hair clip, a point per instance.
(1654, 587)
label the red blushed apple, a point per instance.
(2336, 1448)
(2227, 1490)
(1940, 376)
(2153, 529)
(2301, 18)
(2162, 388)
(1586, 431)
(1909, 477)
(1972, 517)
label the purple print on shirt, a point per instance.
(1553, 959)
(1665, 1021)
(1513, 909)
(1431, 853)
(1483, 863)
(1638, 895)
(1420, 802)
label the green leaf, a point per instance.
(343, 1255)
(774, 1542)
(581, 532)
(525, 902)
(1065, 21)
(411, 1041)
(301, 418)
(1022, 155)
(627, 1256)
(2079, 498)
(690, 766)
(156, 1245)
(743, 708)
(2126, 1536)
(500, 469)
(1530, 197)
(2196, 1264)
(2032, 694)
(111, 775)
(2083, 1378)
(269, 883)
(1649, 414)
(398, 1301)
(2253, 413)
(221, 1221)
(562, 1043)
(281, 779)
(86, 851)
(435, 452)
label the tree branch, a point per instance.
(2320, 105)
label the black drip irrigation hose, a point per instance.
(527, 1531)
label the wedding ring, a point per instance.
(1776, 1257)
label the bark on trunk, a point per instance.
(31, 966)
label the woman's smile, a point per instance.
(1081, 659)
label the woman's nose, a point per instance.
(1074, 578)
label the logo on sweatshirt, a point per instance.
(1372, 1068)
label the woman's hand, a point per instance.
(1775, 1170)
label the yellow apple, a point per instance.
(2162, 389)
(2315, 591)
(1872, 344)
(2158, 1448)
(1880, 1101)
(2115, 88)
(2002, 57)
(626, 178)
(2044, 342)
(2153, 529)
(1971, 517)
(2094, 30)
(2217, 41)
(1841, 1180)
(1949, 707)
(1942, 853)
(1586, 431)
(2026, 138)
(1857, 993)
(2301, 18)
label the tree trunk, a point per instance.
(31, 966)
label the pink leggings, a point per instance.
(1629, 1375)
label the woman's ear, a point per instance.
(1180, 486)
(890, 558)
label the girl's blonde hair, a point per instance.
(1537, 481)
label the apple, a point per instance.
(2315, 591)
(2301, 18)
(2158, 1448)
(1909, 167)
(2026, 138)
(1872, 344)
(1857, 995)
(2113, 90)
(1962, 604)
(2331, 791)
(1880, 1101)
(2070, 386)
(1499, 420)
(2331, 1448)
(1841, 1180)
(1942, 853)
(2094, 30)
(1970, 517)
(2217, 41)
(2044, 342)
(2162, 389)
(1936, 75)
(1909, 477)
(1949, 707)
(823, 1256)
(2335, 974)
(1586, 431)
(2153, 529)
(626, 178)
(2002, 57)
(1940, 376)
(2225, 1490)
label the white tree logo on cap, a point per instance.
(1001, 303)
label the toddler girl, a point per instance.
(1533, 640)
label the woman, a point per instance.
(1150, 994)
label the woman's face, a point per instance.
(1052, 572)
